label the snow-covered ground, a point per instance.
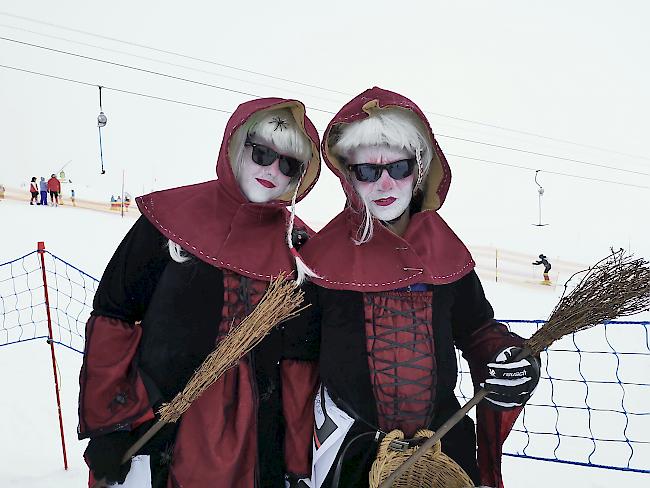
(30, 455)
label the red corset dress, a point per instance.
(401, 357)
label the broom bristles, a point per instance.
(280, 302)
(616, 286)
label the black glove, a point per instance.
(104, 456)
(511, 384)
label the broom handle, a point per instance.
(153, 430)
(430, 442)
(444, 428)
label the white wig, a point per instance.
(277, 127)
(392, 127)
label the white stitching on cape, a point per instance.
(469, 263)
(169, 232)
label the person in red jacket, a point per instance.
(195, 264)
(397, 291)
(54, 187)
(33, 190)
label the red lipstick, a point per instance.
(384, 202)
(265, 183)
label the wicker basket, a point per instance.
(433, 470)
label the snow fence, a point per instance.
(590, 407)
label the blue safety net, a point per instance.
(591, 406)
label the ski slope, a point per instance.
(30, 455)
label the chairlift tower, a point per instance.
(540, 193)
(102, 120)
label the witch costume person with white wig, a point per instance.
(397, 290)
(191, 268)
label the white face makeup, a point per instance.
(387, 198)
(261, 184)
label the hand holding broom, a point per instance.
(280, 302)
(614, 287)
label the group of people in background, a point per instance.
(42, 188)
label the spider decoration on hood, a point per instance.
(279, 124)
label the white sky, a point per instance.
(570, 70)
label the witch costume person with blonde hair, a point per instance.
(397, 290)
(192, 267)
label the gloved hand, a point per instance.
(511, 384)
(104, 455)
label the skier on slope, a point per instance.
(547, 267)
(193, 266)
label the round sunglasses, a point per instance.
(265, 156)
(369, 172)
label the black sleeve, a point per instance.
(130, 278)
(471, 310)
(301, 335)
(475, 331)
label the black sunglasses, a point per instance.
(265, 156)
(369, 172)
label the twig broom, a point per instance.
(616, 286)
(281, 302)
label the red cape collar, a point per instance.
(207, 222)
(429, 252)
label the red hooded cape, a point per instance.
(429, 252)
(232, 228)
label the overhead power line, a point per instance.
(541, 136)
(119, 90)
(161, 61)
(509, 165)
(126, 66)
(319, 87)
(172, 53)
(204, 107)
(210, 85)
(525, 151)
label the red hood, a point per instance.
(429, 252)
(439, 176)
(216, 223)
(240, 116)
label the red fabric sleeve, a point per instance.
(112, 394)
(492, 426)
(299, 385)
(492, 430)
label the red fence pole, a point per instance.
(41, 251)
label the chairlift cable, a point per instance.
(578, 161)
(210, 85)
(119, 90)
